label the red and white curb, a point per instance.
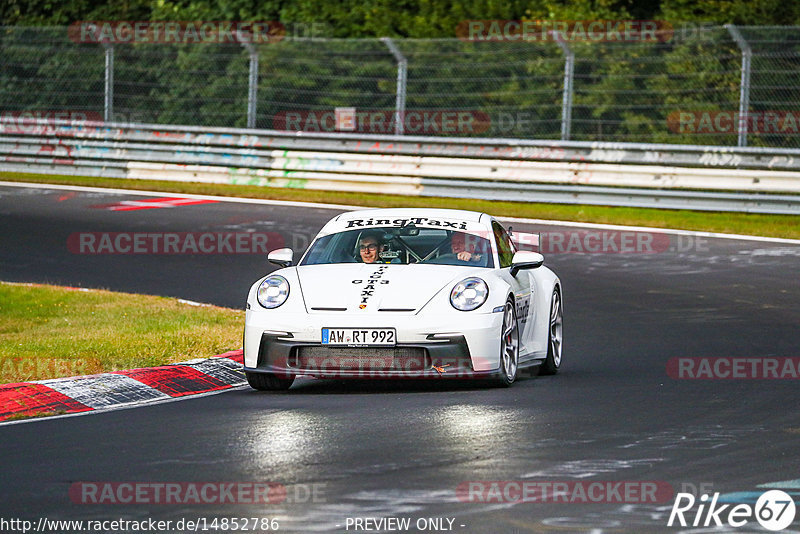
(121, 388)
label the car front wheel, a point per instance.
(509, 347)
(269, 381)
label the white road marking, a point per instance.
(350, 208)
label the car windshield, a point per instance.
(409, 244)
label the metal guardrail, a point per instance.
(544, 150)
(621, 174)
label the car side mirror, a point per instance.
(281, 256)
(525, 259)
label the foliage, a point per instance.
(398, 18)
(623, 91)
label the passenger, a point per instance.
(458, 244)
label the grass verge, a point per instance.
(785, 226)
(23, 416)
(49, 331)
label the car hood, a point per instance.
(374, 287)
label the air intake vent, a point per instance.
(372, 358)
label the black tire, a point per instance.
(269, 381)
(555, 336)
(509, 347)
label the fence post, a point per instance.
(108, 104)
(744, 85)
(566, 100)
(400, 99)
(252, 80)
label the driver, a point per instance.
(458, 244)
(369, 247)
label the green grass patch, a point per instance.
(785, 226)
(23, 416)
(49, 331)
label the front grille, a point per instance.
(318, 358)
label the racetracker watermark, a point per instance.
(608, 242)
(96, 243)
(195, 493)
(631, 31)
(377, 366)
(603, 242)
(422, 121)
(729, 122)
(31, 121)
(49, 367)
(559, 491)
(176, 32)
(733, 368)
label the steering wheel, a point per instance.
(448, 259)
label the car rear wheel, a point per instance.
(269, 381)
(509, 347)
(555, 336)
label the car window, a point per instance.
(505, 247)
(403, 245)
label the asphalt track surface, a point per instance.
(401, 449)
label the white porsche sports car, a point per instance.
(404, 293)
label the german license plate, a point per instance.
(359, 337)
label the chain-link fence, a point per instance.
(690, 88)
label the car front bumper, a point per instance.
(464, 346)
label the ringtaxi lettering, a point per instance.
(419, 221)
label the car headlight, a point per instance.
(469, 294)
(273, 291)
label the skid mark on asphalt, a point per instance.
(590, 468)
(696, 439)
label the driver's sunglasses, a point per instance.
(370, 247)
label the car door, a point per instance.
(522, 286)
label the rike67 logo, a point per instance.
(774, 510)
